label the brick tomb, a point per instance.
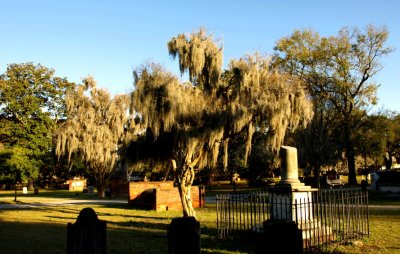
(161, 196)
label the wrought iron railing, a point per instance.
(324, 217)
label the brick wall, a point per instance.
(161, 196)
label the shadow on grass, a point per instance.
(381, 213)
(129, 234)
(22, 238)
(382, 198)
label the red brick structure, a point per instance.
(161, 196)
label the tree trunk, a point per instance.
(185, 179)
(350, 154)
(317, 178)
(30, 185)
(15, 192)
(101, 185)
(186, 198)
(388, 160)
(351, 163)
(186, 192)
(226, 154)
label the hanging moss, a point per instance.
(213, 107)
(95, 126)
(199, 55)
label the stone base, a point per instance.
(313, 233)
(288, 205)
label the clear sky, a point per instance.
(109, 39)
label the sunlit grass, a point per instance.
(43, 229)
(384, 235)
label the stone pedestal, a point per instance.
(291, 199)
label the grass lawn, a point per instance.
(43, 229)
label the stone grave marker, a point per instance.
(184, 236)
(87, 235)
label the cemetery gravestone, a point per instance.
(87, 235)
(184, 236)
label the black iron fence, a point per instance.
(323, 217)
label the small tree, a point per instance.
(212, 108)
(94, 129)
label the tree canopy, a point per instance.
(94, 129)
(216, 105)
(337, 71)
(32, 102)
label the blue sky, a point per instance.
(109, 39)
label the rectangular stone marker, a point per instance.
(25, 190)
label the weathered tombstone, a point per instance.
(184, 236)
(281, 237)
(87, 235)
(364, 186)
(25, 190)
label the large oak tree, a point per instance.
(337, 71)
(31, 105)
(215, 105)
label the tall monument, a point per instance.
(292, 208)
(291, 198)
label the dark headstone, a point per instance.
(108, 192)
(36, 191)
(364, 186)
(87, 235)
(184, 236)
(280, 237)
